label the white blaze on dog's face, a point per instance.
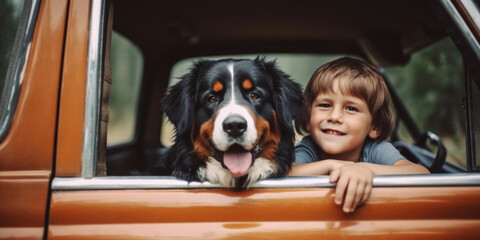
(235, 125)
(237, 141)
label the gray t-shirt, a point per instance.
(383, 152)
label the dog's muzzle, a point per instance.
(236, 158)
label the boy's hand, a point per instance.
(354, 185)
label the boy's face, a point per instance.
(339, 124)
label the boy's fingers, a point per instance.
(334, 175)
(342, 185)
(366, 195)
(359, 196)
(350, 195)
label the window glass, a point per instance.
(299, 66)
(430, 86)
(126, 62)
(13, 22)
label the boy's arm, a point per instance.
(402, 166)
(323, 167)
(354, 180)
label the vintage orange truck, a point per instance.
(63, 177)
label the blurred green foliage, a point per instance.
(432, 89)
(126, 61)
(10, 15)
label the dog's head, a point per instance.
(235, 115)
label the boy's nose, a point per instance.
(336, 115)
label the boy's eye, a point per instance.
(324, 105)
(350, 108)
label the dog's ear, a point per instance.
(288, 95)
(179, 103)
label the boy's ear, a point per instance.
(374, 133)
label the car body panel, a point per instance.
(275, 230)
(27, 152)
(72, 100)
(407, 212)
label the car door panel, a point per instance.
(282, 213)
(88, 207)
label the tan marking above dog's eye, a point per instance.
(217, 86)
(247, 84)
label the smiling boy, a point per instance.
(348, 116)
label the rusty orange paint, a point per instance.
(25, 203)
(26, 154)
(255, 213)
(72, 101)
(417, 229)
(32, 132)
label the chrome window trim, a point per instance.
(93, 92)
(19, 68)
(462, 26)
(472, 10)
(166, 182)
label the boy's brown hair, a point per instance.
(355, 78)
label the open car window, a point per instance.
(135, 104)
(430, 74)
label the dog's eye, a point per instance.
(212, 99)
(254, 96)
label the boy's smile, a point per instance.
(332, 132)
(339, 124)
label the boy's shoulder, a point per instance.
(306, 151)
(306, 141)
(380, 152)
(374, 144)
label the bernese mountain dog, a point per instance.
(233, 122)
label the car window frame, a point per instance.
(93, 94)
(23, 38)
(90, 181)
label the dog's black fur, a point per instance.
(191, 103)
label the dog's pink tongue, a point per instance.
(237, 163)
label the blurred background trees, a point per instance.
(431, 87)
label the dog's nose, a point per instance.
(235, 125)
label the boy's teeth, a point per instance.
(333, 132)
